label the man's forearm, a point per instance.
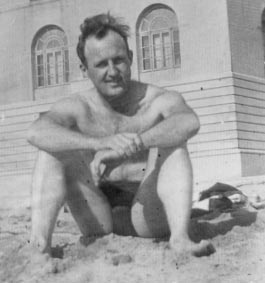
(55, 138)
(171, 132)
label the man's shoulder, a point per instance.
(161, 99)
(70, 105)
(153, 92)
(75, 99)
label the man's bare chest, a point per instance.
(111, 123)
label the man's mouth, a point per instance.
(114, 82)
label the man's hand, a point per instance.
(99, 166)
(125, 144)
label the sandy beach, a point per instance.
(237, 235)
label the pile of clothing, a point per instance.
(223, 198)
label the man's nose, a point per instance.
(112, 69)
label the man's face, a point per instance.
(108, 64)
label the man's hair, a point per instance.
(99, 26)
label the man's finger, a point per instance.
(120, 147)
(101, 169)
(139, 143)
(130, 145)
(94, 174)
(135, 139)
(96, 170)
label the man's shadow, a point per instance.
(58, 251)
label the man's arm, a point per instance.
(55, 130)
(58, 131)
(179, 122)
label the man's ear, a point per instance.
(83, 70)
(130, 54)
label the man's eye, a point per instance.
(101, 65)
(118, 60)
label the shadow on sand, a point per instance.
(220, 223)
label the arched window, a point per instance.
(50, 58)
(158, 39)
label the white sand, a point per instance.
(238, 238)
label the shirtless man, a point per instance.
(121, 132)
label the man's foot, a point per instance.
(37, 263)
(184, 249)
(34, 254)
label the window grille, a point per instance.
(158, 40)
(51, 58)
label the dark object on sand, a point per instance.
(219, 189)
(220, 203)
(223, 197)
(218, 198)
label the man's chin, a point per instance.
(115, 93)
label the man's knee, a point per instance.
(47, 167)
(174, 159)
(69, 165)
(48, 172)
(46, 161)
(177, 153)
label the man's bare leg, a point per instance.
(48, 196)
(56, 181)
(163, 202)
(89, 206)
